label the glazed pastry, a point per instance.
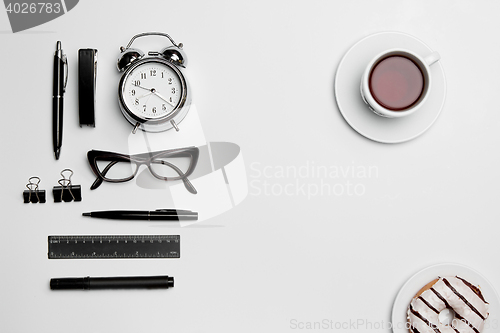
(455, 293)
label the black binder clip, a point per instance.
(33, 194)
(67, 192)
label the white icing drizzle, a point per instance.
(448, 292)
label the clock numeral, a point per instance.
(170, 80)
(136, 101)
(133, 92)
(143, 76)
(152, 72)
(171, 101)
(173, 90)
(137, 83)
(163, 107)
(144, 106)
(154, 109)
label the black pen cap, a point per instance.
(70, 283)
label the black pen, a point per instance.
(60, 80)
(155, 215)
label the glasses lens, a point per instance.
(116, 170)
(171, 167)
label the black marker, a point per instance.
(126, 282)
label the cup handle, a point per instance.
(432, 58)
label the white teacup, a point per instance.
(391, 85)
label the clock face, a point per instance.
(152, 90)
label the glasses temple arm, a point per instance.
(100, 179)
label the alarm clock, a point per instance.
(153, 92)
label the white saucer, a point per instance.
(356, 112)
(417, 281)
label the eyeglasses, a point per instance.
(174, 164)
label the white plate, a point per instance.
(417, 281)
(355, 111)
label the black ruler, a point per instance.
(113, 247)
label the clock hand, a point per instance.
(146, 102)
(141, 87)
(145, 95)
(151, 91)
(163, 98)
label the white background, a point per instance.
(262, 74)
